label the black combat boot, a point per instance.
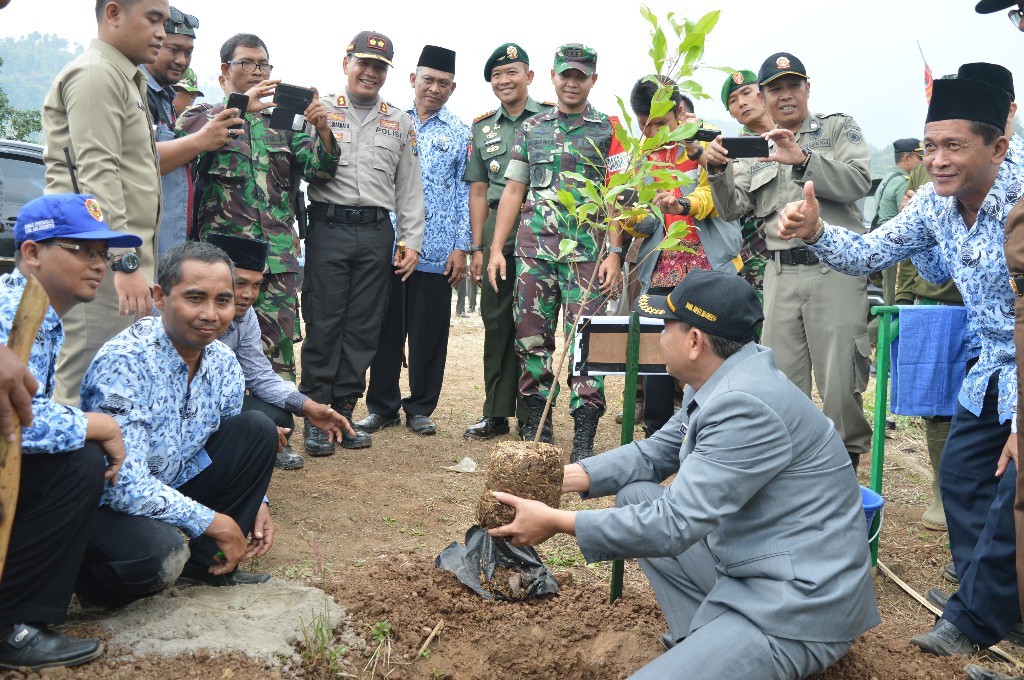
(534, 410)
(361, 440)
(317, 442)
(586, 418)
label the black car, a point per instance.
(21, 179)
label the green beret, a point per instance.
(735, 81)
(509, 53)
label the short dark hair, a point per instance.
(899, 155)
(722, 347)
(169, 267)
(227, 50)
(988, 133)
(643, 92)
(101, 6)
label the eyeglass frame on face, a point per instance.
(179, 17)
(264, 67)
(87, 251)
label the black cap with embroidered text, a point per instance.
(778, 65)
(716, 302)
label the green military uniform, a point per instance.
(815, 318)
(492, 139)
(247, 188)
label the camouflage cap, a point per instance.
(735, 82)
(372, 45)
(509, 53)
(189, 83)
(577, 56)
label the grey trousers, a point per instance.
(816, 323)
(730, 646)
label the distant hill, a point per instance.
(31, 63)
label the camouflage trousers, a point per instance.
(275, 309)
(543, 287)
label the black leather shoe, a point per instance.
(420, 424)
(287, 459)
(949, 573)
(938, 597)
(487, 428)
(944, 639)
(376, 422)
(317, 442)
(38, 647)
(979, 673)
(198, 575)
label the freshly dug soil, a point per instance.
(525, 469)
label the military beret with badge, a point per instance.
(509, 53)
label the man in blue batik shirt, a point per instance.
(425, 299)
(194, 461)
(62, 241)
(953, 228)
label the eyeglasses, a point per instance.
(88, 252)
(250, 66)
(1015, 17)
(178, 17)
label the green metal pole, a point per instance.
(628, 418)
(888, 328)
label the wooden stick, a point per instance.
(430, 638)
(24, 329)
(996, 651)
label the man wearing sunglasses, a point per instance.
(248, 187)
(96, 111)
(175, 155)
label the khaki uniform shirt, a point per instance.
(492, 138)
(839, 168)
(97, 108)
(378, 165)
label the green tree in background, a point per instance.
(22, 124)
(31, 63)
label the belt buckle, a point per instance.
(1017, 285)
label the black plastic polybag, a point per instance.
(520, 573)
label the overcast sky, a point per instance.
(862, 57)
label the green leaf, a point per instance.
(566, 199)
(649, 15)
(679, 230)
(565, 247)
(707, 22)
(669, 244)
(659, 48)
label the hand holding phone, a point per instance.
(237, 100)
(746, 147)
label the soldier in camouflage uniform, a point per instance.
(248, 187)
(573, 137)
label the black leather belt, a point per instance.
(1017, 285)
(798, 256)
(343, 214)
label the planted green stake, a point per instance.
(888, 329)
(628, 418)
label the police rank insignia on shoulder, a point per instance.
(414, 142)
(341, 101)
(482, 116)
(383, 107)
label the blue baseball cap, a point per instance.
(68, 216)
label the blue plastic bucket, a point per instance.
(872, 504)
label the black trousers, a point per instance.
(56, 509)
(348, 270)
(130, 557)
(428, 313)
(277, 415)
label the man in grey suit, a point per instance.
(757, 551)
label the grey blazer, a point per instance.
(764, 477)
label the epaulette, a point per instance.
(831, 115)
(548, 104)
(482, 116)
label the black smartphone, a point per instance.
(746, 147)
(705, 135)
(240, 101)
(293, 97)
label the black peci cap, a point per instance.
(439, 58)
(971, 100)
(993, 74)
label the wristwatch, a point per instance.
(476, 249)
(684, 203)
(127, 263)
(617, 250)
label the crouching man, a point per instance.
(194, 461)
(62, 241)
(268, 392)
(758, 573)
